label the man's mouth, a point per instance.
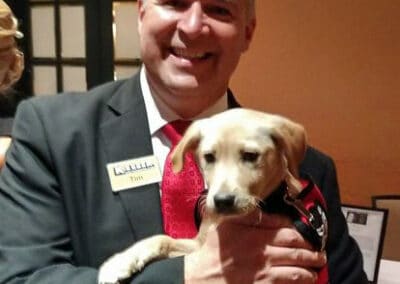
(190, 55)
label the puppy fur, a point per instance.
(244, 155)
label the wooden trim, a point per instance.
(375, 198)
(99, 42)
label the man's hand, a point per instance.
(4, 144)
(251, 249)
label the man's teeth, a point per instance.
(189, 55)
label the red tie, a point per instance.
(180, 191)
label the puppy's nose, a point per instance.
(224, 202)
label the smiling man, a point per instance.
(64, 214)
(191, 48)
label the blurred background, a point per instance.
(333, 66)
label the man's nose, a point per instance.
(191, 22)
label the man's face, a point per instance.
(193, 46)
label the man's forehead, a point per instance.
(233, 1)
(228, 1)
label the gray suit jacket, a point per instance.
(59, 217)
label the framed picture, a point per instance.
(367, 226)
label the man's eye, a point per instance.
(176, 4)
(209, 158)
(218, 12)
(250, 157)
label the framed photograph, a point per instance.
(367, 226)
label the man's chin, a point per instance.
(184, 83)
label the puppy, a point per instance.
(258, 150)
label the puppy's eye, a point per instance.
(209, 158)
(250, 157)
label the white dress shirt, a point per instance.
(159, 115)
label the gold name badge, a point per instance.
(134, 173)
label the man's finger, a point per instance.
(281, 256)
(289, 274)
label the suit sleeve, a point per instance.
(344, 256)
(35, 246)
(168, 271)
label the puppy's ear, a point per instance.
(290, 137)
(189, 142)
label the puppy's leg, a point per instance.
(133, 259)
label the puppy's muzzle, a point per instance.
(224, 203)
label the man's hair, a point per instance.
(11, 58)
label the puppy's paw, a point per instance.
(119, 267)
(125, 264)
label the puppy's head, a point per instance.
(244, 155)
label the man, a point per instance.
(61, 217)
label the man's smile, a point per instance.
(187, 54)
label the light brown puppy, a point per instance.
(244, 155)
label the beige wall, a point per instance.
(333, 66)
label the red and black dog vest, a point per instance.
(307, 211)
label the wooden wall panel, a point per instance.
(333, 66)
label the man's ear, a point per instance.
(189, 142)
(141, 11)
(249, 33)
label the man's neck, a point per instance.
(187, 104)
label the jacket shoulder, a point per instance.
(73, 106)
(317, 164)
(98, 94)
(315, 157)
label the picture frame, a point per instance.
(367, 226)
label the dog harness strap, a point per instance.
(180, 191)
(307, 210)
(311, 220)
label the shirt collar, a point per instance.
(159, 115)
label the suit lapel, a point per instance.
(126, 135)
(232, 102)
